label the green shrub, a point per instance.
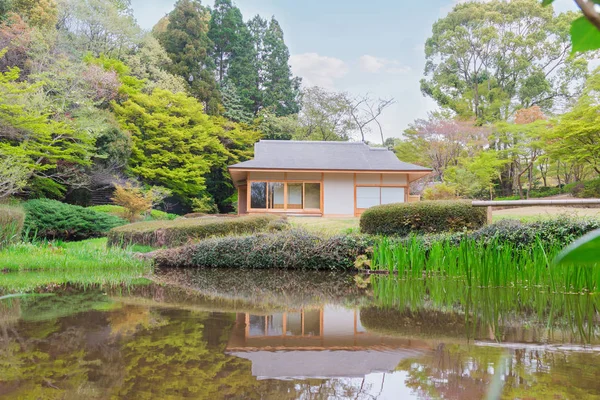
(182, 231)
(51, 219)
(294, 249)
(12, 219)
(118, 211)
(585, 189)
(422, 217)
(278, 225)
(440, 191)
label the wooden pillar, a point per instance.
(490, 215)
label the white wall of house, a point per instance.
(339, 189)
(339, 194)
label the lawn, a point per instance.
(326, 226)
(528, 214)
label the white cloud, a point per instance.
(376, 65)
(317, 70)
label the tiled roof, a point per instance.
(357, 156)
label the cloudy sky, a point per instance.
(357, 46)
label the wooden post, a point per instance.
(490, 215)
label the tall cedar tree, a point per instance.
(281, 89)
(234, 53)
(258, 28)
(187, 43)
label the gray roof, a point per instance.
(324, 364)
(357, 156)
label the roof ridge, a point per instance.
(312, 141)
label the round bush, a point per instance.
(51, 219)
(423, 217)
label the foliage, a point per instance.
(43, 149)
(205, 205)
(186, 41)
(584, 251)
(440, 191)
(325, 115)
(183, 231)
(133, 199)
(585, 30)
(51, 219)
(422, 217)
(483, 66)
(294, 249)
(586, 189)
(576, 136)
(12, 219)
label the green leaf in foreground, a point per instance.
(585, 250)
(584, 35)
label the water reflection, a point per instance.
(165, 342)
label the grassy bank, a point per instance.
(28, 266)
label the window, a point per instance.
(312, 191)
(367, 197)
(272, 196)
(258, 195)
(276, 196)
(370, 196)
(392, 195)
(295, 198)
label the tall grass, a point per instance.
(89, 255)
(479, 264)
(12, 219)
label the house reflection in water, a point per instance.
(324, 342)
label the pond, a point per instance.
(286, 335)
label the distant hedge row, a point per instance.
(421, 218)
(183, 231)
(293, 249)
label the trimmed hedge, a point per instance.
(294, 249)
(423, 217)
(183, 231)
(51, 219)
(12, 219)
(118, 211)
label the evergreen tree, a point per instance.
(281, 90)
(233, 104)
(233, 51)
(226, 24)
(187, 43)
(258, 28)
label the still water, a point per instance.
(277, 335)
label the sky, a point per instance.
(354, 46)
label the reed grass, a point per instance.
(495, 264)
(12, 219)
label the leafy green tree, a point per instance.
(325, 115)
(151, 63)
(173, 144)
(101, 27)
(273, 127)
(186, 41)
(281, 89)
(488, 59)
(38, 13)
(50, 147)
(576, 137)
